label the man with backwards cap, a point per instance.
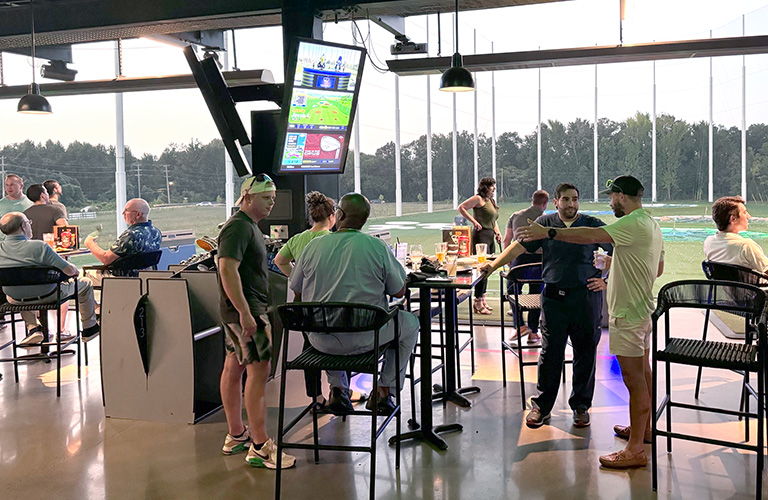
(639, 260)
(243, 287)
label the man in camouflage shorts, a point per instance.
(243, 287)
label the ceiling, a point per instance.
(80, 21)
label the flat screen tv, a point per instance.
(211, 83)
(322, 85)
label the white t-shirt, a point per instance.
(638, 249)
(732, 248)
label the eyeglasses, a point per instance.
(341, 210)
(27, 221)
(126, 211)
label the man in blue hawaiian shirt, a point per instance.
(140, 237)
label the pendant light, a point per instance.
(33, 102)
(457, 78)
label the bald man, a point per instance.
(140, 237)
(349, 266)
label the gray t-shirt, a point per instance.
(520, 219)
(61, 206)
(242, 240)
(43, 219)
(347, 266)
(19, 251)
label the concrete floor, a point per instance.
(65, 449)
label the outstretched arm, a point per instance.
(508, 255)
(580, 235)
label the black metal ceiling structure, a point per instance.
(80, 21)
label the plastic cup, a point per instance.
(481, 250)
(450, 262)
(416, 254)
(440, 250)
(600, 258)
(48, 238)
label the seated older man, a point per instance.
(18, 250)
(140, 237)
(349, 266)
(727, 246)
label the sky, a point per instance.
(153, 120)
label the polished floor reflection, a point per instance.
(64, 448)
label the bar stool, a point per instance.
(336, 319)
(26, 276)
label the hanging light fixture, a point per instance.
(33, 102)
(457, 78)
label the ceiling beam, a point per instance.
(234, 79)
(711, 47)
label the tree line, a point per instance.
(87, 172)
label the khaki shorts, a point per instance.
(629, 338)
(249, 348)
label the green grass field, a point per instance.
(321, 110)
(683, 258)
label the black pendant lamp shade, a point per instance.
(457, 78)
(33, 102)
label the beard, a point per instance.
(568, 213)
(618, 210)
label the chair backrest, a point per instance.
(130, 265)
(729, 296)
(525, 273)
(23, 276)
(332, 317)
(730, 272)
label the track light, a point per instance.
(57, 70)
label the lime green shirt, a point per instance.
(637, 251)
(294, 246)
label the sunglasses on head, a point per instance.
(259, 178)
(613, 186)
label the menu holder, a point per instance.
(66, 238)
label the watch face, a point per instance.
(552, 233)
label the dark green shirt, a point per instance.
(242, 240)
(486, 215)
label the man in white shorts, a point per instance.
(638, 259)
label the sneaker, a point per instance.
(90, 332)
(34, 336)
(536, 419)
(384, 406)
(623, 460)
(581, 417)
(338, 401)
(234, 445)
(66, 337)
(266, 456)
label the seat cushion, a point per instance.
(726, 355)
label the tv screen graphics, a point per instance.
(319, 106)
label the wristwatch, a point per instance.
(552, 233)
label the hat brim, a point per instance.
(607, 191)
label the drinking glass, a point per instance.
(450, 259)
(416, 254)
(48, 238)
(481, 249)
(440, 250)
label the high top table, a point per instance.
(426, 431)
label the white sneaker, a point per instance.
(234, 445)
(266, 457)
